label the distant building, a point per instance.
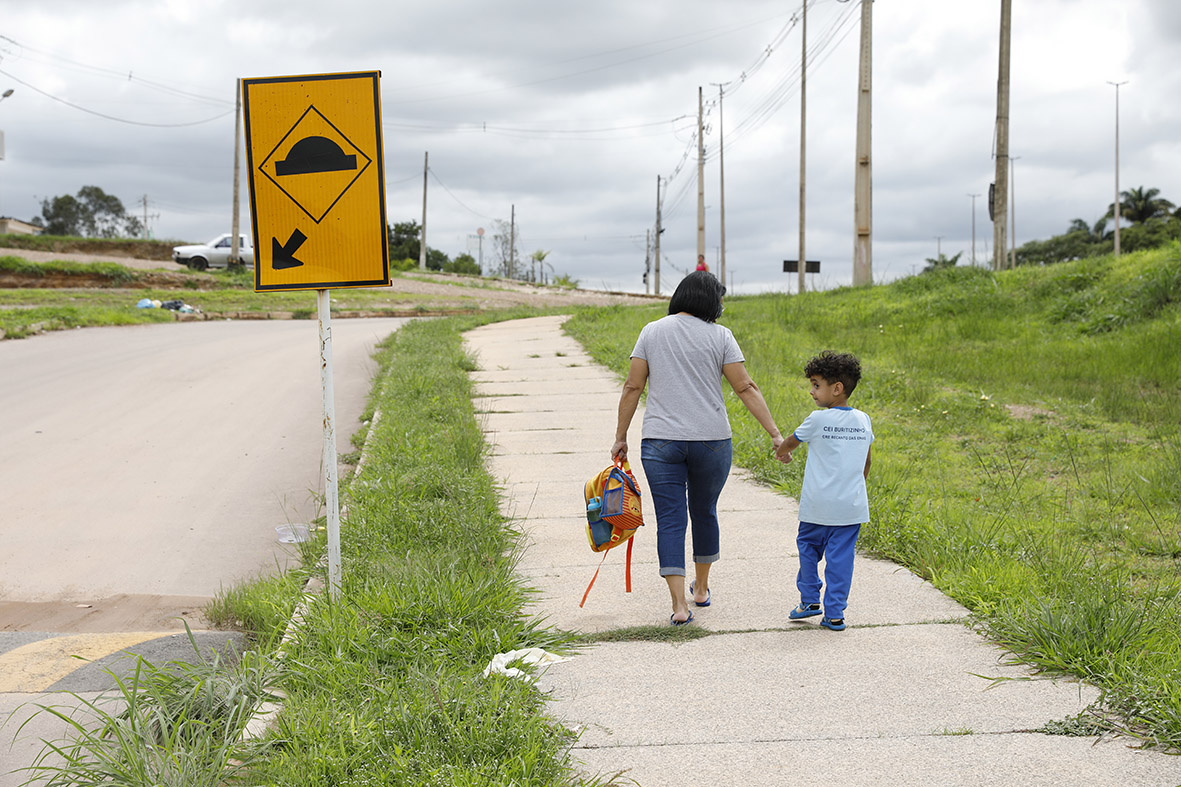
(10, 226)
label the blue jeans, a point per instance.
(834, 543)
(685, 478)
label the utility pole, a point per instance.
(1013, 211)
(700, 177)
(1000, 192)
(146, 216)
(512, 243)
(1115, 206)
(803, 132)
(863, 189)
(722, 189)
(426, 157)
(236, 243)
(656, 271)
(973, 196)
(647, 258)
(938, 248)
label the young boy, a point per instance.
(834, 502)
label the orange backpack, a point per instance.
(613, 515)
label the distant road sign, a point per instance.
(317, 181)
(793, 266)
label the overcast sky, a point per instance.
(570, 111)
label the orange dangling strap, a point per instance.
(596, 576)
(628, 570)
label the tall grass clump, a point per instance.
(173, 725)
(384, 685)
(1028, 451)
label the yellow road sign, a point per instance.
(317, 181)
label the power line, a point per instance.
(71, 105)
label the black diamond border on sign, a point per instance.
(263, 165)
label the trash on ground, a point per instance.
(292, 534)
(174, 305)
(500, 662)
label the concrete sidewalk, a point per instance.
(903, 696)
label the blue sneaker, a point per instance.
(835, 624)
(804, 611)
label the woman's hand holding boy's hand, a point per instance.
(783, 453)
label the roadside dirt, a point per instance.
(441, 287)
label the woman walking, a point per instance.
(685, 447)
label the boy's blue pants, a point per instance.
(834, 543)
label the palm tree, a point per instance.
(1098, 232)
(1138, 205)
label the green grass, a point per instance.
(384, 686)
(26, 311)
(1028, 453)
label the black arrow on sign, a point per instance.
(282, 257)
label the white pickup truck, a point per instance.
(215, 253)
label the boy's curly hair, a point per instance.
(835, 367)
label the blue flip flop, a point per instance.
(673, 622)
(707, 596)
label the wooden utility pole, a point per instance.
(656, 267)
(235, 243)
(426, 157)
(803, 133)
(647, 260)
(863, 188)
(722, 190)
(1000, 191)
(512, 243)
(700, 177)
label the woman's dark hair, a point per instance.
(700, 294)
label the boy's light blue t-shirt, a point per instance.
(685, 357)
(834, 490)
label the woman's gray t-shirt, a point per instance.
(685, 357)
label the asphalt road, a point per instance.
(142, 469)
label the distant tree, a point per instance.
(435, 259)
(1097, 232)
(1139, 205)
(504, 251)
(536, 268)
(92, 213)
(405, 240)
(1150, 234)
(942, 261)
(463, 263)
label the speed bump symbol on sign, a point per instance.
(317, 186)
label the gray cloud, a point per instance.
(569, 112)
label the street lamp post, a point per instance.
(1013, 212)
(973, 196)
(1115, 206)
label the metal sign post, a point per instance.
(317, 195)
(331, 488)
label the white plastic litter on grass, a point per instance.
(500, 662)
(292, 534)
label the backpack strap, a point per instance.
(596, 576)
(627, 572)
